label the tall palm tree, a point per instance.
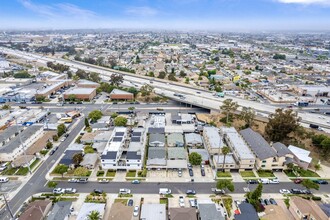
(225, 150)
(228, 106)
(94, 215)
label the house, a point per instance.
(266, 156)
(118, 94)
(275, 212)
(301, 156)
(36, 210)
(209, 211)
(87, 208)
(301, 208)
(182, 118)
(158, 121)
(182, 214)
(89, 160)
(135, 151)
(212, 140)
(119, 211)
(175, 140)
(203, 153)
(193, 140)
(153, 212)
(157, 140)
(61, 210)
(247, 211)
(174, 153)
(156, 157)
(23, 161)
(241, 153)
(152, 130)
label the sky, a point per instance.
(215, 15)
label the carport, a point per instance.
(176, 164)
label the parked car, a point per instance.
(267, 202)
(135, 182)
(82, 180)
(262, 202)
(285, 191)
(124, 191)
(306, 191)
(180, 172)
(202, 172)
(272, 201)
(218, 191)
(190, 192)
(104, 181)
(70, 190)
(297, 181)
(252, 181)
(98, 191)
(58, 191)
(296, 191)
(193, 202)
(130, 202)
(191, 172)
(73, 180)
(274, 181)
(322, 182)
(181, 201)
(136, 211)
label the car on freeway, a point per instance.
(135, 182)
(136, 211)
(297, 181)
(98, 191)
(321, 182)
(272, 201)
(190, 192)
(284, 191)
(252, 181)
(181, 201)
(104, 181)
(73, 180)
(130, 202)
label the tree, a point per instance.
(94, 215)
(281, 124)
(133, 90)
(81, 171)
(95, 77)
(72, 97)
(77, 158)
(75, 78)
(95, 115)
(228, 107)
(61, 129)
(114, 115)
(225, 150)
(120, 121)
(51, 184)
(61, 169)
(325, 144)
(309, 184)
(182, 73)
(225, 184)
(6, 107)
(317, 167)
(116, 79)
(195, 158)
(254, 197)
(55, 137)
(248, 115)
(86, 123)
(279, 56)
(49, 145)
(81, 74)
(161, 75)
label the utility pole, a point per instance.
(20, 139)
(8, 207)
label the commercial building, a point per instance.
(85, 94)
(117, 94)
(83, 83)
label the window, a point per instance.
(263, 165)
(264, 161)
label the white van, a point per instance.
(264, 181)
(4, 179)
(164, 191)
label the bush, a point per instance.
(316, 198)
(89, 150)
(100, 173)
(52, 184)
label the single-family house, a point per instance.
(175, 140)
(301, 156)
(61, 210)
(157, 140)
(89, 160)
(36, 210)
(193, 140)
(182, 214)
(301, 208)
(247, 211)
(153, 212)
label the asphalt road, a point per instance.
(178, 188)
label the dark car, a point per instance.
(296, 191)
(190, 192)
(252, 181)
(322, 182)
(262, 202)
(191, 173)
(306, 191)
(130, 202)
(98, 191)
(267, 202)
(203, 172)
(272, 201)
(51, 152)
(79, 102)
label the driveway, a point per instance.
(237, 177)
(282, 177)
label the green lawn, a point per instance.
(247, 174)
(34, 163)
(131, 173)
(22, 171)
(100, 173)
(265, 173)
(163, 201)
(223, 174)
(302, 173)
(111, 173)
(9, 171)
(228, 202)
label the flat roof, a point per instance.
(121, 92)
(79, 91)
(214, 137)
(87, 208)
(49, 88)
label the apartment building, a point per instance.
(212, 140)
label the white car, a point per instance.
(274, 181)
(103, 181)
(124, 191)
(136, 211)
(73, 180)
(284, 191)
(70, 190)
(58, 191)
(181, 201)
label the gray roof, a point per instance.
(176, 153)
(89, 159)
(208, 211)
(156, 152)
(247, 212)
(156, 130)
(153, 212)
(15, 142)
(60, 210)
(281, 149)
(133, 155)
(109, 155)
(213, 136)
(10, 131)
(175, 139)
(67, 158)
(157, 138)
(258, 144)
(202, 152)
(193, 138)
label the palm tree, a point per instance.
(228, 106)
(94, 215)
(225, 150)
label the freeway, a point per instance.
(179, 188)
(197, 96)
